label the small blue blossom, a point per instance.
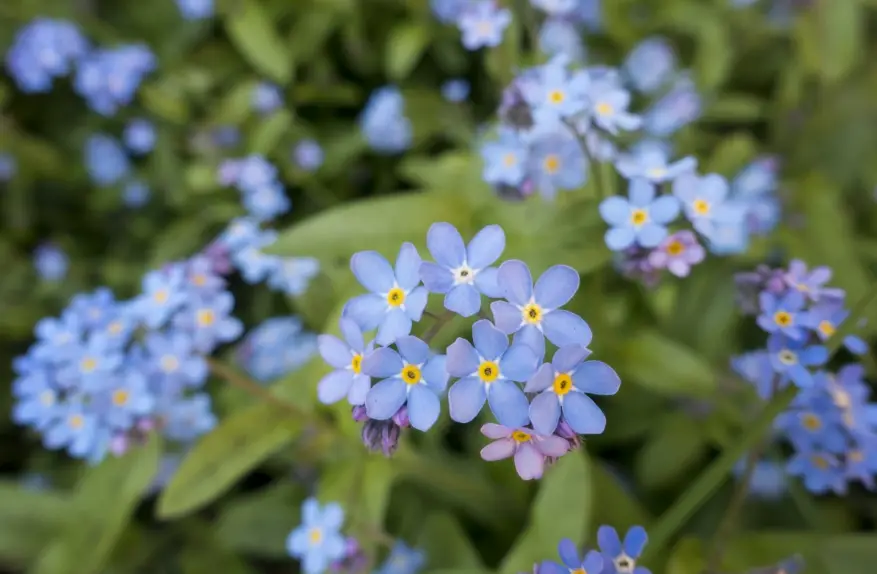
(650, 64)
(188, 418)
(348, 380)
(308, 155)
(621, 558)
(109, 78)
(275, 347)
(824, 319)
(641, 220)
(267, 202)
(756, 369)
(483, 23)
(42, 50)
(608, 107)
(554, 93)
(812, 283)
(462, 272)
(106, 160)
(505, 159)
(135, 193)
(266, 98)
(783, 314)
(681, 106)
(396, 297)
(402, 560)
(768, 480)
(821, 471)
(556, 7)
(317, 542)
(139, 136)
(703, 200)
(557, 164)
(8, 167)
(792, 358)
(489, 371)
(195, 9)
(209, 321)
(293, 275)
(254, 265)
(456, 90)
(652, 162)
(561, 36)
(173, 359)
(50, 262)
(162, 295)
(591, 561)
(448, 11)
(383, 121)
(757, 178)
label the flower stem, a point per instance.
(440, 322)
(237, 379)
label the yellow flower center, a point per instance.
(114, 328)
(509, 160)
(639, 216)
(488, 371)
(675, 248)
(551, 163)
(826, 328)
(356, 363)
(811, 422)
(562, 384)
(396, 297)
(605, 109)
(556, 96)
(701, 207)
(802, 287)
(315, 536)
(819, 462)
(169, 363)
(782, 318)
(76, 422)
(520, 436)
(787, 357)
(855, 456)
(656, 172)
(120, 397)
(88, 365)
(411, 374)
(841, 397)
(532, 314)
(206, 317)
(47, 398)
(578, 571)
(161, 296)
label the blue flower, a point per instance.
(650, 64)
(791, 358)
(652, 162)
(756, 368)
(402, 560)
(139, 136)
(590, 562)
(135, 194)
(456, 90)
(293, 275)
(38, 403)
(346, 357)
(186, 419)
(562, 384)
(275, 347)
(195, 9)
(383, 121)
(125, 400)
(410, 377)
(8, 167)
(678, 108)
(209, 321)
(557, 163)
(42, 50)
(91, 364)
(768, 479)
(703, 199)
(57, 339)
(266, 98)
(172, 358)
(462, 272)
(317, 542)
(821, 471)
(783, 314)
(621, 558)
(106, 160)
(812, 283)
(757, 178)
(642, 219)
(50, 262)
(505, 159)
(308, 155)
(488, 372)
(532, 312)
(76, 429)
(553, 93)
(162, 295)
(824, 319)
(561, 36)
(729, 234)
(254, 265)
(608, 107)
(396, 299)
(267, 202)
(108, 79)
(483, 23)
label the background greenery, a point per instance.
(807, 93)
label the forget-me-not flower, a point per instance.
(195, 9)
(109, 78)
(106, 160)
(812, 283)
(557, 163)
(483, 23)
(528, 448)
(652, 162)
(590, 562)
(678, 108)
(641, 220)
(50, 262)
(317, 542)
(139, 136)
(345, 356)
(554, 93)
(703, 200)
(608, 107)
(783, 314)
(621, 558)
(383, 121)
(650, 64)
(266, 97)
(456, 90)
(791, 358)
(42, 50)
(308, 155)
(505, 159)
(824, 319)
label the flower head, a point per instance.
(783, 314)
(528, 448)
(383, 121)
(811, 283)
(791, 358)
(317, 542)
(482, 23)
(641, 220)
(677, 253)
(652, 163)
(346, 357)
(589, 563)
(621, 558)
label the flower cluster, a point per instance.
(383, 122)
(831, 424)
(613, 557)
(108, 78)
(257, 180)
(277, 346)
(489, 370)
(108, 162)
(43, 50)
(106, 372)
(266, 98)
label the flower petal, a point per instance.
(487, 281)
(412, 349)
(373, 271)
(408, 267)
(415, 303)
(367, 310)
(334, 386)
(423, 407)
(506, 316)
(582, 414)
(634, 541)
(445, 245)
(619, 238)
(552, 445)
(436, 279)
(569, 554)
(310, 512)
(462, 359)
(545, 413)
(297, 542)
(593, 561)
(466, 399)
(394, 325)
(664, 209)
(651, 235)
(556, 286)
(489, 341)
(463, 300)
(352, 334)
(498, 450)
(386, 398)
(435, 373)
(615, 210)
(641, 192)
(334, 351)
(610, 543)
(516, 282)
(529, 463)
(551, 567)
(381, 363)
(508, 403)
(541, 380)
(359, 389)
(333, 516)
(486, 247)
(518, 363)
(495, 431)
(596, 378)
(568, 357)
(533, 338)
(565, 328)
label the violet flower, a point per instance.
(677, 253)
(528, 449)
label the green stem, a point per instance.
(237, 379)
(440, 322)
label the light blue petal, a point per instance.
(334, 547)
(516, 282)
(685, 187)
(489, 341)
(487, 281)
(486, 247)
(297, 542)
(664, 209)
(359, 389)
(466, 399)
(436, 278)
(615, 210)
(395, 324)
(619, 238)
(334, 351)
(408, 267)
(372, 271)
(381, 363)
(333, 516)
(550, 567)
(315, 562)
(714, 188)
(412, 349)
(684, 165)
(593, 561)
(415, 303)
(423, 407)
(366, 310)
(310, 512)
(569, 553)
(445, 245)
(565, 328)
(641, 192)
(532, 337)
(566, 358)
(386, 398)
(596, 378)
(352, 334)
(610, 543)
(814, 355)
(634, 541)
(508, 404)
(334, 386)
(464, 300)
(506, 316)
(556, 286)
(651, 234)
(545, 413)
(582, 414)
(462, 359)
(541, 379)
(518, 363)
(435, 373)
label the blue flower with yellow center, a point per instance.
(640, 220)
(783, 314)
(317, 542)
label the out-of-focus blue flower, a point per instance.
(812, 283)
(704, 202)
(8, 167)
(621, 558)
(248, 258)
(293, 275)
(554, 93)
(383, 121)
(109, 78)
(50, 262)
(556, 163)
(650, 64)
(821, 471)
(652, 162)
(266, 98)
(505, 159)
(317, 542)
(396, 297)
(139, 136)
(275, 347)
(561, 36)
(106, 160)
(462, 272)
(768, 480)
(756, 368)
(824, 319)
(591, 561)
(589, 14)
(135, 193)
(402, 560)
(267, 202)
(757, 178)
(195, 9)
(209, 321)
(608, 107)
(308, 155)
(489, 371)
(483, 23)
(256, 178)
(456, 90)
(42, 50)
(681, 106)
(642, 219)
(556, 7)
(792, 358)
(783, 314)
(448, 11)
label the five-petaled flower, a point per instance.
(317, 541)
(621, 558)
(346, 356)
(783, 314)
(528, 448)
(642, 219)
(590, 563)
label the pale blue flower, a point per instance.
(317, 542)
(641, 220)
(483, 23)
(348, 379)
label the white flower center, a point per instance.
(464, 274)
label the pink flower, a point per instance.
(677, 253)
(529, 449)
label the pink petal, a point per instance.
(499, 449)
(552, 445)
(493, 430)
(529, 462)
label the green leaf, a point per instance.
(405, 46)
(687, 557)
(253, 34)
(662, 365)
(562, 509)
(259, 523)
(670, 452)
(736, 108)
(268, 133)
(714, 55)
(219, 459)
(165, 102)
(830, 38)
(446, 545)
(613, 504)
(105, 498)
(28, 521)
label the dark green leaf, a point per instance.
(29, 519)
(446, 545)
(253, 34)
(660, 364)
